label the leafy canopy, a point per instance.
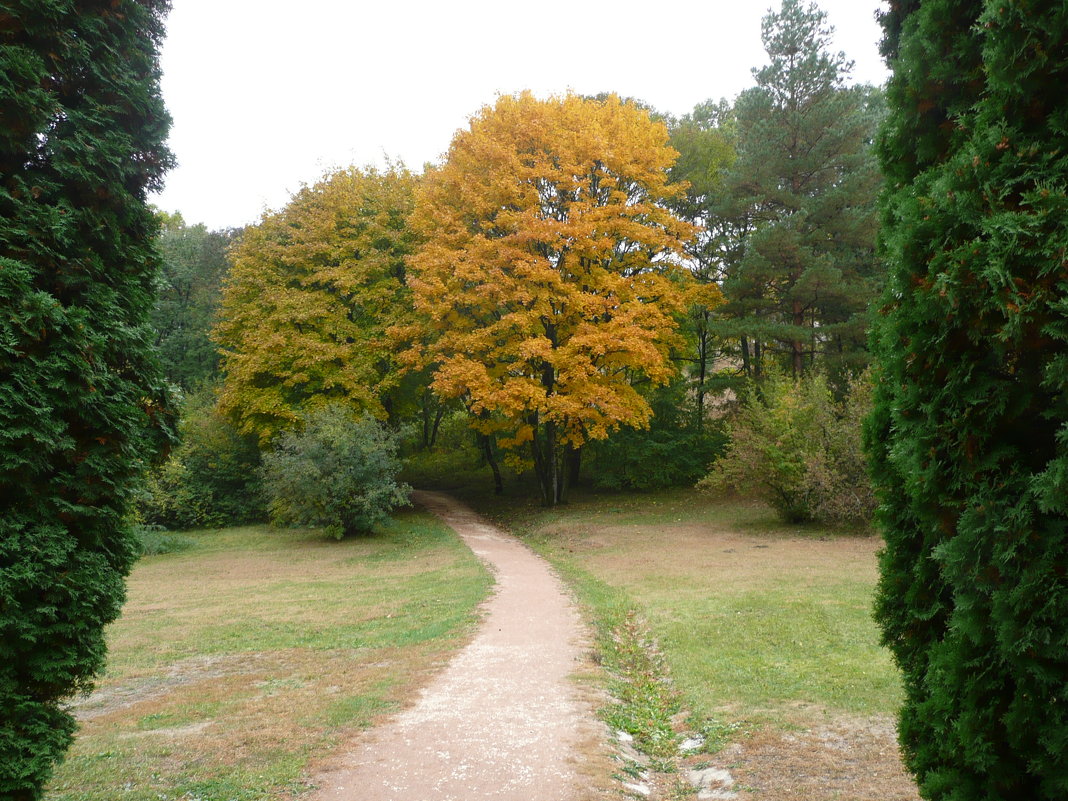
(549, 282)
(312, 289)
(194, 264)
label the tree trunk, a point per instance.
(437, 425)
(425, 414)
(555, 473)
(702, 368)
(541, 468)
(486, 442)
(797, 346)
(572, 466)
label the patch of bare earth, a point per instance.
(844, 759)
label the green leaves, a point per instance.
(336, 472)
(967, 442)
(82, 405)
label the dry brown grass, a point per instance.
(841, 759)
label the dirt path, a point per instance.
(503, 721)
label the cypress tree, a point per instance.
(81, 397)
(969, 439)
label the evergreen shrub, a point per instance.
(337, 472)
(969, 437)
(82, 401)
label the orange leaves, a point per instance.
(549, 278)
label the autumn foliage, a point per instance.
(549, 282)
(312, 290)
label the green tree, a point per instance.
(82, 403)
(795, 216)
(706, 141)
(194, 264)
(674, 451)
(969, 438)
(211, 478)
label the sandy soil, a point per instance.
(505, 720)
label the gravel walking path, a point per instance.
(503, 721)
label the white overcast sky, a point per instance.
(267, 95)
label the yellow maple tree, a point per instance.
(311, 291)
(549, 280)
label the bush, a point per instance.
(672, 452)
(211, 479)
(969, 437)
(336, 472)
(794, 445)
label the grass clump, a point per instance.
(647, 701)
(155, 540)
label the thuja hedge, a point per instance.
(81, 398)
(969, 440)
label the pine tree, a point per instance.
(969, 439)
(800, 201)
(81, 398)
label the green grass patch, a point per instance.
(757, 622)
(154, 541)
(242, 659)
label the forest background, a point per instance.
(755, 218)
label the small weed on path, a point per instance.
(239, 661)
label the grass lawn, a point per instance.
(238, 663)
(765, 629)
(755, 618)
